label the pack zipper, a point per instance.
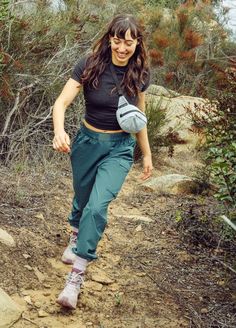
(130, 111)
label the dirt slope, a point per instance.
(146, 275)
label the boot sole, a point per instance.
(65, 261)
(65, 303)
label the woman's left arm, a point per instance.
(142, 139)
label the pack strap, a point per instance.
(115, 78)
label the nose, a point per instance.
(122, 47)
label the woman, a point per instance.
(102, 153)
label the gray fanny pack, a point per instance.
(130, 118)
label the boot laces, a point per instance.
(73, 240)
(75, 279)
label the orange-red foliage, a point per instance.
(187, 55)
(221, 80)
(75, 19)
(161, 41)
(18, 64)
(216, 67)
(182, 16)
(192, 39)
(156, 57)
(169, 77)
(4, 88)
(24, 25)
(5, 59)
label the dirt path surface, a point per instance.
(146, 276)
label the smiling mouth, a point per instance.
(121, 55)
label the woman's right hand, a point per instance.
(61, 142)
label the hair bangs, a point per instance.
(120, 28)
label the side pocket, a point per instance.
(126, 165)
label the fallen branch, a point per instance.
(229, 222)
(14, 108)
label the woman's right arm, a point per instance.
(61, 140)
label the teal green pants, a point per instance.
(100, 164)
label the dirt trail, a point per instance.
(145, 276)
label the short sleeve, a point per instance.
(79, 69)
(146, 83)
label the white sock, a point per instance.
(80, 264)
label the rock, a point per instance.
(92, 285)
(141, 274)
(24, 293)
(114, 287)
(37, 304)
(102, 278)
(39, 274)
(204, 311)
(28, 267)
(42, 314)
(6, 239)
(28, 300)
(39, 216)
(46, 294)
(51, 310)
(26, 256)
(141, 218)
(139, 228)
(9, 310)
(172, 184)
(177, 116)
(158, 90)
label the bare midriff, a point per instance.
(99, 130)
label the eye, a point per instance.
(116, 41)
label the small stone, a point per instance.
(47, 285)
(114, 287)
(24, 293)
(102, 278)
(26, 256)
(139, 228)
(37, 304)
(42, 314)
(28, 300)
(6, 239)
(39, 216)
(28, 267)
(204, 311)
(92, 285)
(141, 274)
(221, 283)
(39, 274)
(89, 324)
(46, 294)
(51, 310)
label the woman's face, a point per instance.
(122, 49)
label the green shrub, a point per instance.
(218, 121)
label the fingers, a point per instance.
(147, 172)
(61, 143)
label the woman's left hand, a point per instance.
(147, 167)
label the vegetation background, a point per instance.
(190, 50)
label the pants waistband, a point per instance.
(102, 135)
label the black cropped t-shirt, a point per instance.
(101, 103)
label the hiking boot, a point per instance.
(68, 256)
(69, 296)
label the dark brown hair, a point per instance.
(97, 61)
